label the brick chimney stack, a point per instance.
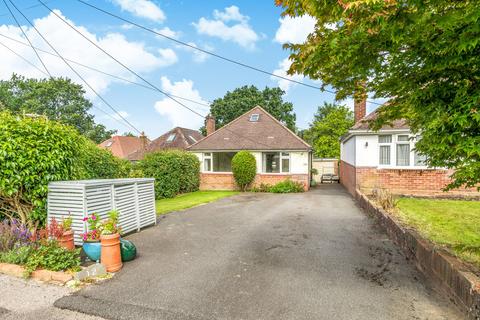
(360, 102)
(210, 124)
(144, 140)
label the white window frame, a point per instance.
(385, 144)
(281, 158)
(403, 142)
(393, 152)
(207, 156)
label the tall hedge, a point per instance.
(174, 172)
(35, 151)
(244, 168)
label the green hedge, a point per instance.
(35, 151)
(244, 168)
(174, 172)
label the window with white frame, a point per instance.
(403, 150)
(218, 161)
(418, 159)
(385, 149)
(276, 162)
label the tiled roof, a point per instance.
(122, 146)
(242, 134)
(177, 138)
(363, 124)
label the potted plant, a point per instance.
(111, 256)
(66, 238)
(91, 238)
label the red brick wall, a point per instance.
(225, 181)
(415, 182)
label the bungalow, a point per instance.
(387, 159)
(177, 138)
(122, 146)
(280, 153)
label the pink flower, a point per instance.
(85, 219)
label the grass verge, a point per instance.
(188, 200)
(454, 224)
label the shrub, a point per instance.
(263, 187)
(384, 198)
(99, 163)
(287, 186)
(174, 171)
(49, 255)
(13, 234)
(17, 256)
(244, 168)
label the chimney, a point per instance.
(360, 103)
(210, 124)
(143, 137)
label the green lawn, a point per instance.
(454, 224)
(189, 200)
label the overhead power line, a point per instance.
(26, 37)
(73, 69)
(101, 71)
(209, 52)
(26, 8)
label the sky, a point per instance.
(251, 32)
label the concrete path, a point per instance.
(266, 256)
(30, 300)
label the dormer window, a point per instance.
(254, 117)
(192, 138)
(171, 137)
(109, 144)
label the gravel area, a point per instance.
(22, 299)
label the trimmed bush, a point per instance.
(35, 151)
(287, 186)
(174, 172)
(244, 168)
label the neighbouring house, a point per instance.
(122, 146)
(177, 138)
(280, 153)
(387, 159)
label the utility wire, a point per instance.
(26, 8)
(23, 58)
(44, 73)
(209, 52)
(73, 69)
(25, 35)
(119, 62)
(103, 72)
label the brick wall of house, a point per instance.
(225, 181)
(405, 182)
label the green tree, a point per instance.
(330, 123)
(57, 98)
(422, 55)
(240, 100)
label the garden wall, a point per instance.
(455, 278)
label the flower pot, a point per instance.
(66, 240)
(128, 249)
(92, 249)
(111, 256)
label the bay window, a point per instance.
(218, 161)
(403, 150)
(276, 162)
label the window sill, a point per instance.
(405, 168)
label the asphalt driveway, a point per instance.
(266, 256)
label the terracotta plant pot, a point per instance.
(66, 240)
(111, 256)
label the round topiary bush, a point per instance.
(244, 168)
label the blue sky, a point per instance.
(248, 31)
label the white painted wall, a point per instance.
(347, 151)
(366, 151)
(298, 162)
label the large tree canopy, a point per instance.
(56, 98)
(330, 123)
(422, 55)
(240, 100)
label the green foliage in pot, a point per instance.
(174, 172)
(244, 168)
(110, 225)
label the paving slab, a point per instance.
(312, 255)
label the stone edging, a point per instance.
(446, 271)
(55, 277)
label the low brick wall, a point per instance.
(225, 181)
(55, 277)
(455, 278)
(348, 176)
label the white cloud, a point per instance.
(198, 56)
(168, 32)
(176, 114)
(283, 67)
(142, 8)
(240, 32)
(295, 30)
(72, 46)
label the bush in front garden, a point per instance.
(244, 169)
(287, 186)
(174, 171)
(35, 151)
